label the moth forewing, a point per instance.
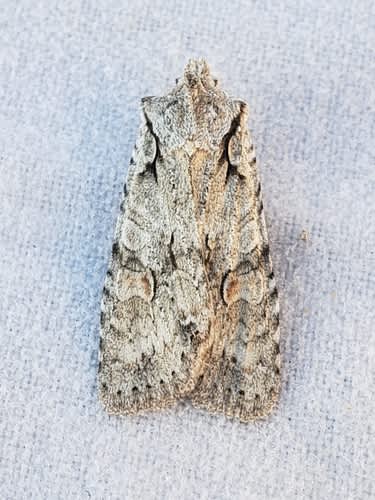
(189, 305)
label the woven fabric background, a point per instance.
(71, 78)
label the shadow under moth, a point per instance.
(190, 306)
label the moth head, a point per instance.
(197, 73)
(212, 111)
(196, 110)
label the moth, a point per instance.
(190, 305)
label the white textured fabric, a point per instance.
(71, 78)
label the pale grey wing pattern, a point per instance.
(154, 318)
(242, 376)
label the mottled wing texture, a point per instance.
(242, 373)
(190, 306)
(155, 317)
